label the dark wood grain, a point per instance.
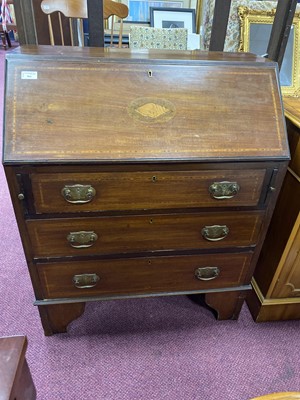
(87, 53)
(155, 232)
(57, 317)
(47, 105)
(227, 305)
(143, 275)
(146, 190)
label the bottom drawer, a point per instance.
(143, 275)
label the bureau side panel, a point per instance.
(284, 217)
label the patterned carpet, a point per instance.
(144, 349)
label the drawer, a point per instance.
(82, 192)
(143, 275)
(107, 235)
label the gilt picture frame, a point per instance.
(255, 30)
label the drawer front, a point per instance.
(107, 235)
(143, 275)
(82, 192)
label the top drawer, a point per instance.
(109, 191)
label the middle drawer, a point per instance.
(143, 233)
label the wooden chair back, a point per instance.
(31, 30)
(74, 10)
(114, 9)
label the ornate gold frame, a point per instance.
(247, 17)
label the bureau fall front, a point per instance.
(138, 174)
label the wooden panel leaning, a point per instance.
(74, 10)
(159, 178)
(276, 281)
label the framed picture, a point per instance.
(255, 31)
(173, 18)
(139, 10)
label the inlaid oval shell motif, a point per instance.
(151, 110)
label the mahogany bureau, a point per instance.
(138, 174)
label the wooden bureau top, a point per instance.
(109, 105)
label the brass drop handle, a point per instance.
(82, 239)
(224, 190)
(207, 273)
(78, 194)
(85, 281)
(214, 233)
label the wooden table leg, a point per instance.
(227, 304)
(56, 317)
